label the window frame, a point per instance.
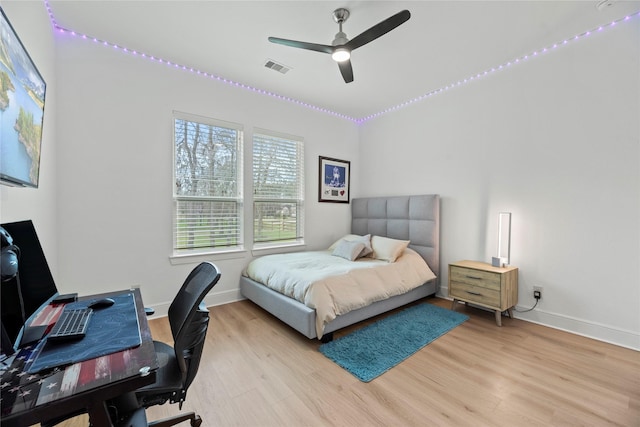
(238, 198)
(298, 240)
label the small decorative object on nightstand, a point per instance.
(485, 285)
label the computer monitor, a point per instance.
(37, 287)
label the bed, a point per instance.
(413, 218)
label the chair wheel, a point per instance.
(197, 421)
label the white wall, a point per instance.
(115, 157)
(555, 141)
(31, 23)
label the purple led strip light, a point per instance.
(105, 43)
(325, 110)
(499, 67)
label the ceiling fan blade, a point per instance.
(346, 70)
(303, 45)
(378, 30)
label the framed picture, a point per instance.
(334, 180)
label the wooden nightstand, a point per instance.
(485, 285)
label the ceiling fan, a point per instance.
(341, 47)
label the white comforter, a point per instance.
(332, 285)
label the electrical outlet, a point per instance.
(537, 292)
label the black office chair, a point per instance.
(189, 319)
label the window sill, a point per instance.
(279, 249)
(189, 258)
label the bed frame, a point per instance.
(414, 218)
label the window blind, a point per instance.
(208, 183)
(278, 187)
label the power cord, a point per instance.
(537, 297)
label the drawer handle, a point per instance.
(478, 294)
(473, 277)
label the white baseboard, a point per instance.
(212, 299)
(224, 297)
(586, 328)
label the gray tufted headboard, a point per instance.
(414, 218)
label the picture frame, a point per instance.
(334, 180)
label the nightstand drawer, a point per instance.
(470, 276)
(473, 293)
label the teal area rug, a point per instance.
(371, 351)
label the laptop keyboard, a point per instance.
(71, 325)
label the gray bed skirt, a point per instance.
(303, 319)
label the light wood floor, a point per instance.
(256, 371)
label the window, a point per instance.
(207, 184)
(278, 188)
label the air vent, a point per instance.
(281, 68)
(602, 5)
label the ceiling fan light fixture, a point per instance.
(341, 55)
(341, 47)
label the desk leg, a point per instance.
(99, 415)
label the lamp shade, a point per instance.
(504, 237)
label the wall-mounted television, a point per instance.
(22, 93)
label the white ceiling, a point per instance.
(443, 42)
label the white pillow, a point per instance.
(348, 250)
(387, 249)
(345, 237)
(365, 240)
